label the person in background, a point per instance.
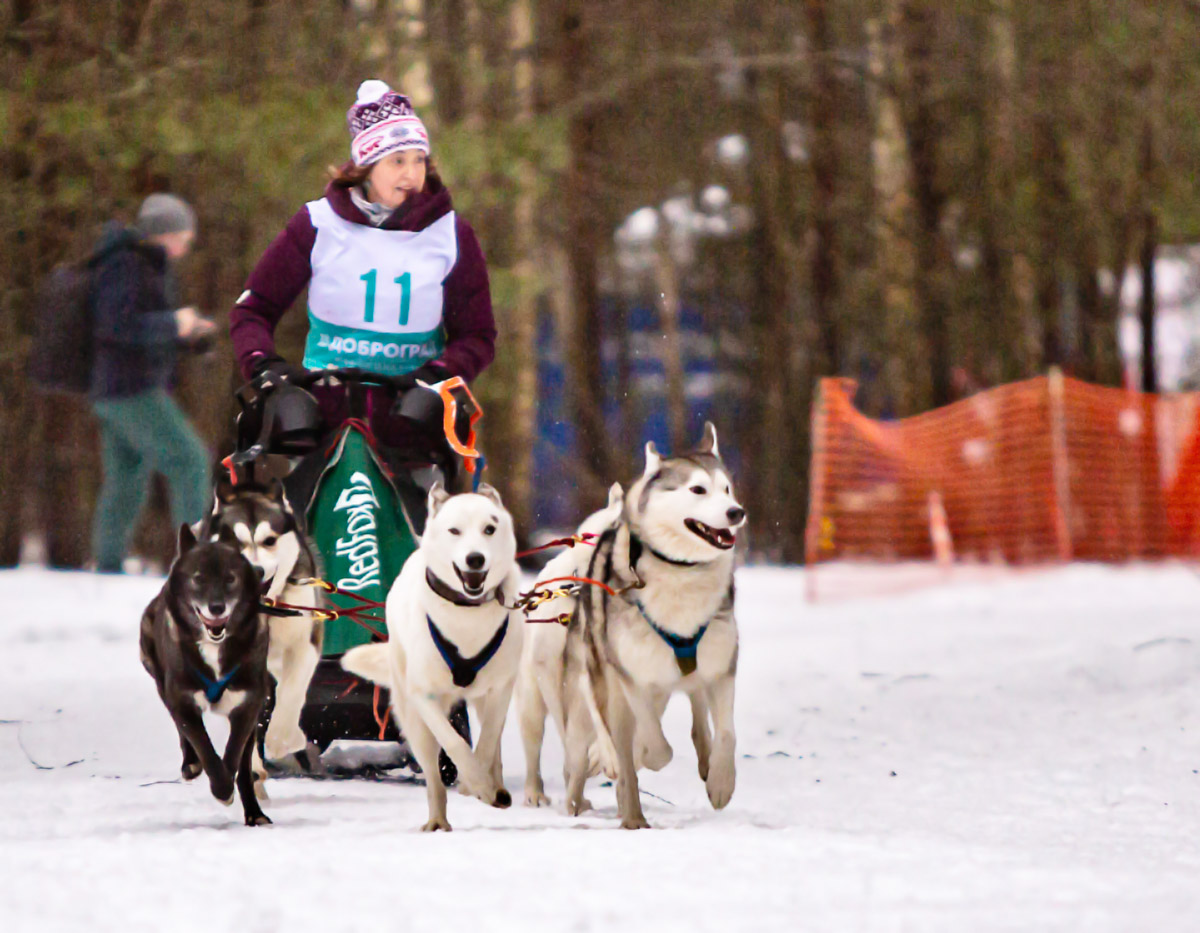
(139, 327)
(397, 282)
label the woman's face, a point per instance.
(396, 177)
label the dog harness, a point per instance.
(215, 689)
(637, 545)
(684, 648)
(465, 670)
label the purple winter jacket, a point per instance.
(285, 269)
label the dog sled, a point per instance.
(364, 510)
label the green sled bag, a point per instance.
(363, 533)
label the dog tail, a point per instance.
(370, 662)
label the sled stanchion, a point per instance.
(380, 717)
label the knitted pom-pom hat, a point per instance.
(382, 121)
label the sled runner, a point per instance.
(365, 510)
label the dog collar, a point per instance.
(441, 588)
(465, 670)
(215, 689)
(684, 647)
(637, 545)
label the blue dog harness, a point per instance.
(684, 648)
(465, 670)
(215, 689)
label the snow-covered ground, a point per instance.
(1019, 754)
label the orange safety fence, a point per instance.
(1050, 469)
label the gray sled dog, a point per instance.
(203, 643)
(259, 521)
(450, 638)
(540, 682)
(669, 628)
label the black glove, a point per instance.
(279, 369)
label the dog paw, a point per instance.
(702, 767)
(260, 788)
(221, 785)
(502, 800)
(634, 822)
(720, 784)
(190, 770)
(279, 747)
(579, 807)
(434, 824)
(535, 798)
(257, 819)
(654, 758)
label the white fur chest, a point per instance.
(469, 631)
(681, 610)
(229, 699)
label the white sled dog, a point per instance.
(670, 628)
(450, 638)
(540, 682)
(259, 521)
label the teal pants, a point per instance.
(141, 434)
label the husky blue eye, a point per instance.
(698, 490)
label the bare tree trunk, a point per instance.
(924, 130)
(1146, 308)
(769, 456)
(897, 343)
(523, 333)
(824, 161)
(672, 352)
(585, 377)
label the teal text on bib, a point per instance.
(334, 345)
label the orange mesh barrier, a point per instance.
(1050, 469)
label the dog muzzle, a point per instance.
(215, 627)
(721, 538)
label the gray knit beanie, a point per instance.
(165, 213)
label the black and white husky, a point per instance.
(259, 522)
(670, 628)
(451, 637)
(205, 646)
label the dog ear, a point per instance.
(616, 495)
(490, 491)
(437, 498)
(653, 460)
(708, 443)
(187, 538)
(275, 489)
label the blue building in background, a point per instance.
(710, 393)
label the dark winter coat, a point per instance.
(133, 316)
(285, 270)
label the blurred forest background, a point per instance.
(928, 196)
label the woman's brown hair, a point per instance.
(350, 175)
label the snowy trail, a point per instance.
(1011, 755)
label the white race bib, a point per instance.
(375, 299)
